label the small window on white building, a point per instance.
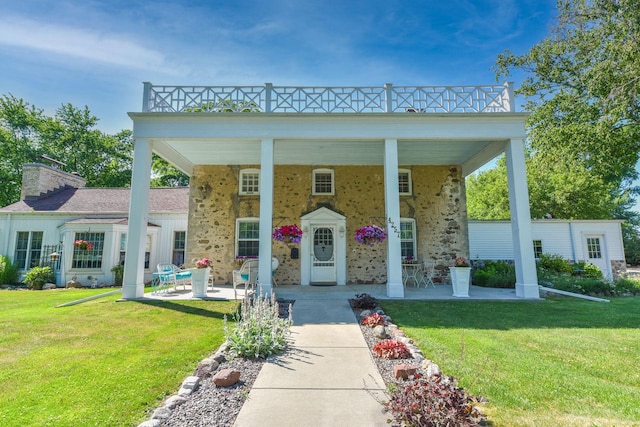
(249, 182)
(408, 238)
(90, 255)
(147, 250)
(404, 182)
(593, 247)
(247, 237)
(179, 245)
(537, 248)
(323, 181)
(28, 249)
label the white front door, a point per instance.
(323, 254)
(596, 252)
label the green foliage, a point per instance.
(37, 276)
(631, 238)
(628, 285)
(433, 401)
(118, 271)
(586, 269)
(583, 285)
(259, 331)
(583, 92)
(9, 273)
(495, 274)
(167, 175)
(554, 263)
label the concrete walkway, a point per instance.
(328, 378)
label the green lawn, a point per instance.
(99, 363)
(561, 362)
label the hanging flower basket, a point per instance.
(83, 244)
(288, 234)
(370, 235)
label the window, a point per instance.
(593, 247)
(408, 238)
(404, 182)
(179, 245)
(248, 237)
(322, 181)
(537, 248)
(249, 181)
(88, 258)
(147, 249)
(28, 249)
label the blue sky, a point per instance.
(98, 53)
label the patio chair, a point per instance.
(171, 274)
(247, 275)
(275, 263)
(428, 273)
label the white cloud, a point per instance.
(108, 48)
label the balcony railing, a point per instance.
(288, 99)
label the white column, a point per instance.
(266, 216)
(526, 275)
(133, 281)
(395, 288)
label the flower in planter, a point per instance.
(240, 259)
(288, 234)
(83, 244)
(370, 235)
(409, 259)
(203, 263)
(461, 262)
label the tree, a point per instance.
(167, 175)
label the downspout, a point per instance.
(573, 243)
(8, 236)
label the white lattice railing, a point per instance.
(285, 99)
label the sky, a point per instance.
(98, 53)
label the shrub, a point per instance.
(373, 320)
(8, 271)
(118, 274)
(627, 285)
(555, 263)
(583, 285)
(392, 349)
(495, 274)
(433, 401)
(586, 269)
(37, 276)
(364, 301)
(259, 331)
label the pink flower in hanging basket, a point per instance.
(370, 235)
(288, 234)
(83, 244)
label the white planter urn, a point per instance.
(199, 281)
(460, 279)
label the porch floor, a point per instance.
(297, 292)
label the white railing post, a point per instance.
(146, 91)
(388, 90)
(511, 98)
(268, 88)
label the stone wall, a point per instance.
(437, 205)
(38, 179)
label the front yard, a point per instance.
(561, 362)
(101, 362)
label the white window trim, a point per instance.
(534, 248)
(237, 236)
(408, 172)
(415, 234)
(247, 172)
(333, 182)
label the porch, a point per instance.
(378, 291)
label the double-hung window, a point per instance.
(147, 249)
(249, 182)
(408, 237)
(28, 249)
(91, 257)
(179, 245)
(247, 237)
(537, 248)
(404, 182)
(323, 182)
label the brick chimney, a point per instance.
(38, 179)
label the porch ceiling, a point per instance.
(320, 152)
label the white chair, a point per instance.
(428, 273)
(275, 263)
(247, 275)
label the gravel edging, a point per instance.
(209, 405)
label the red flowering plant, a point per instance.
(203, 263)
(83, 244)
(461, 262)
(288, 234)
(370, 235)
